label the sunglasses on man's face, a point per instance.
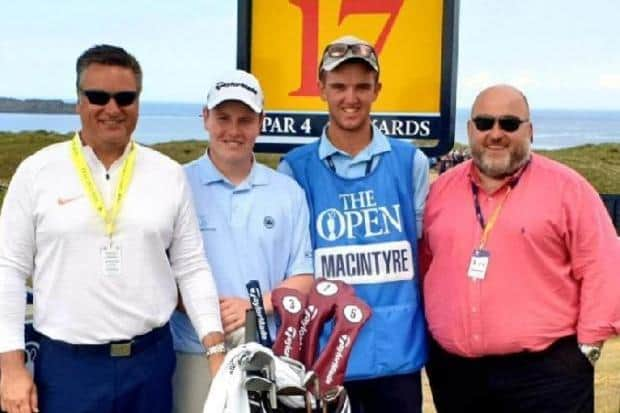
(101, 98)
(506, 123)
(340, 49)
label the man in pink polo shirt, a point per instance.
(520, 261)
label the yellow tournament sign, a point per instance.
(281, 43)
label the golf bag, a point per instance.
(292, 377)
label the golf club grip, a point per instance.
(256, 301)
(320, 308)
(250, 326)
(331, 365)
(288, 304)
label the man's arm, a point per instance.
(420, 187)
(214, 342)
(16, 263)
(194, 277)
(595, 258)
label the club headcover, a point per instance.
(321, 305)
(289, 305)
(331, 365)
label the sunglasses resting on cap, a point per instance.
(345, 48)
(101, 97)
(340, 49)
(507, 123)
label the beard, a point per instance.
(501, 167)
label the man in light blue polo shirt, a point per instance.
(367, 194)
(254, 222)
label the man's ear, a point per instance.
(205, 115)
(378, 87)
(321, 85)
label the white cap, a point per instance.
(236, 85)
(329, 63)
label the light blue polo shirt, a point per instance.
(347, 166)
(257, 230)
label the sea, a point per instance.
(164, 122)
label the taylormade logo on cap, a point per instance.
(220, 85)
(237, 85)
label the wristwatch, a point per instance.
(592, 353)
(218, 348)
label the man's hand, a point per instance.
(232, 311)
(215, 362)
(18, 393)
(216, 359)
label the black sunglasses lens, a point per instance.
(483, 123)
(509, 123)
(97, 97)
(101, 98)
(125, 98)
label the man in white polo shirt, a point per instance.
(254, 223)
(107, 230)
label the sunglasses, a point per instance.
(101, 98)
(506, 123)
(337, 50)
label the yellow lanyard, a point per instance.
(86, 179)
(489, 226)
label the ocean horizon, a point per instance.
(165, 122)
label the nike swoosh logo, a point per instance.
(63, 201)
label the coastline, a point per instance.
(164, 122)
(35, 106)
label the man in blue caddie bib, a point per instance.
(366, 194)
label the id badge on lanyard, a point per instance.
(111, 260)
(478, 264)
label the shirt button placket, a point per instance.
(475, 287)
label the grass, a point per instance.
(17, 146)
(599, 164)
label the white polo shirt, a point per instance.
(50, 230)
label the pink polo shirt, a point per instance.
(554, 266)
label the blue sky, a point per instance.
(562, 53)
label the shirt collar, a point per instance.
(379, 143)
(474, 175)
(209, 174)
(92, 158)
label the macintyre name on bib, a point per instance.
(365, 264)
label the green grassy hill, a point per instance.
(600, 164)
